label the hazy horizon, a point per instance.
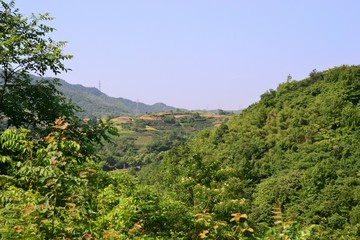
(200, 54)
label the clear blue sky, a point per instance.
(200, 54)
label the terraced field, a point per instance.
(150, 134)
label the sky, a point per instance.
(200, 54)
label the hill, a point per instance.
(98, 104)
(286, 166)
(141, 138)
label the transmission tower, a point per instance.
(137, 107)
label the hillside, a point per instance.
(97, 103)
(289, 162)
(141, 138)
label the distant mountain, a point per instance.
(97, 103)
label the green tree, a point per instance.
(25, 48)
(48, 185)
(48, 174)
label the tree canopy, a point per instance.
(26, 48)
(289, 161)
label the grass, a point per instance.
(144, 140)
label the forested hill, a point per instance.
(290, 161)
(97, 103)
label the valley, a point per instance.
(78, 164)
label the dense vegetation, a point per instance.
(295, 150)
(287, 167)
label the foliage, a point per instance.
(24, 48)
(298, 146)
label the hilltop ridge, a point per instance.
(98, 104)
